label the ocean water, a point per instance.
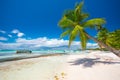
(10, 55)
(5, 52)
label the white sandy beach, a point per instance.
(96, 65)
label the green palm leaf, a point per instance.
(83, 16)
(83, 37)
(70, 15)
(94, 22)
(65, 23)
(78, 10)
(73, 35)
(67, 32)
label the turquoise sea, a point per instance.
(11, 54)
(6, 55)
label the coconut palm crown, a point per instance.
(103, 35)
(74, 22)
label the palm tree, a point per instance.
(74, 24)
(109, 38)
(113, 39)
(102, 36)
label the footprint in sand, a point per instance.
(62, 75)
(56, 78)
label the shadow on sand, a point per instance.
(89, 62)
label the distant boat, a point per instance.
(23, 51)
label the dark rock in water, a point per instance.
(23, 51)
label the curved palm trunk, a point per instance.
(100, 47)
(116, 52)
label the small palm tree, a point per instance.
(102, 36)
(74, 22)
(113, 39)
(109, 38)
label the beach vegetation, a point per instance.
(110, 38)
(74, 23)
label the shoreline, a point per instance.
(96, 65)
(30, 56)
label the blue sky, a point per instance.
(27, 20)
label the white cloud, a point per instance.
(40, 42)
(19, 34)
(3, 39)
(15, 31)
(1, 31)
(9, 35)
(22, 43)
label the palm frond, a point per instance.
(102, 34)
(70, 15)
(78, 11)
(83, 17)
(94, 22)
(73, 35)
(83, 37)
(65, 23)
(67, 32)
(78, 8)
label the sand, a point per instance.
(97, 65)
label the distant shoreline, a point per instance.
(28, 57)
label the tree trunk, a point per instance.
(100, 47)
(116, 52)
